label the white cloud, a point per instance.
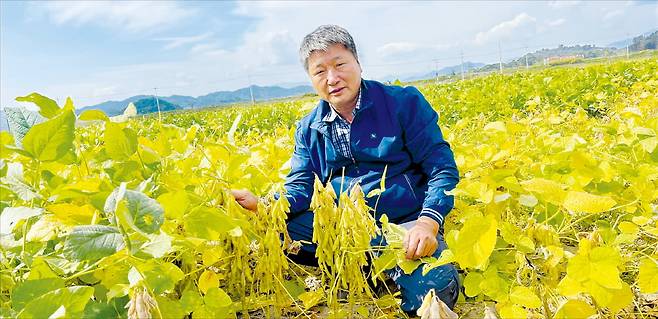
(563, 3)
(207, 49)
(104, 91)
(394, 48)
(175, 42)
(557, 22)
(611, 14)
(131, 16)
(402, 49)
(504, 28)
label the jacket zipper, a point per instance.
(410, 187)
(356, 165)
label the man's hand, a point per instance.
(246, 199)
(420, 240)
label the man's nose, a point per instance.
(332, 77)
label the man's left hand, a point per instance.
(420, 240)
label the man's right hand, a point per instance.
(246, 199)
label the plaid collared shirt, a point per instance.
(340, 129)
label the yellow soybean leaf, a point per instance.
(640, 220)
(621, 298)
(408, 266)
(614, 299)
(497, 126)
(628, 228)
(525, 297)
(311, 298)
(207, 280)
(70, 214)
(548, 190)
(569, 286)
(472, 284)
(574, 309)
(511, 311)
(528, 200)
(363, 311)
(648, 277)
(175, 204)
(446, 257)
(649, 144)
(556, 254)
(603, 262)
(475, 241)
(587, 203)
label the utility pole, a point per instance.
(436, 66)
(251, 91)
(462, 65)
(500, 59)
(157, 102)
(526, 57)
(628, 54)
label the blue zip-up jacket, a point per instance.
(394, 127)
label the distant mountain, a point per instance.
(449, 70)
(625, 42)
(587, 51)
(150, 105)
(454, 69)
(112, 108)
(645, 42)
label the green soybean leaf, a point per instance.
(66, 302)
(207, 223)
(158, 245)
(145, 213)
(47, 107)
(170, 308)
(30, 289)
(19, 187)
(218, 301)
(120, 142)
(20, 121)
(92, 242)
(112, 200)
(96, 309)
(190, 300)
(52, 139)
(160, 276)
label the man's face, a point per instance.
(336, 75)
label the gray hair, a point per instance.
(322, 38)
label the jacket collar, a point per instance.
(333, 114)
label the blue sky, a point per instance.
(97, 51)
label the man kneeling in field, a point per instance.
(356, 130)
